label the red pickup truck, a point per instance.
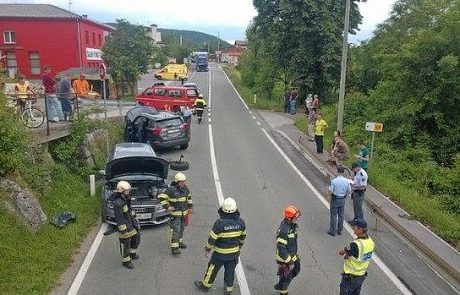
(169, 98)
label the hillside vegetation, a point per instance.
(407, 77)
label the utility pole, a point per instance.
(70, 5)
(343, 69)
(218, 47)
(180, 42)
(209, 46)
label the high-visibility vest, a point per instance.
(22, 90)
(358, 266)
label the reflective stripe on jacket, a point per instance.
(227, 235)
(358, 266)
(179, 198)
(200, 104)
(286, 242)
(124, 216)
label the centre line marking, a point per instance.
(240, 276)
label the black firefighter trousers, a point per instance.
(285, 281)
(128, 247)
(215, 263)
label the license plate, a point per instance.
(144, 215)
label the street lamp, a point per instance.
(343, 69)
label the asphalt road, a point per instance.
(254, 172)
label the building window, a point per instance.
(86, 37)
(34, 60)
(11, 63)
(100, 40)
(9, 37)
(94, 39)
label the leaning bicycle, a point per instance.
(31, 116)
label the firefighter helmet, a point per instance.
(229, 205)
(291, 212)
(123, 186)
(180, 177)
(200, 95)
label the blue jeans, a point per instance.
(66, 108)
(54, 108)
(337, 212)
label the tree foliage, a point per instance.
(127, 51)
(301, 41)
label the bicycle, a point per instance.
(31, 116)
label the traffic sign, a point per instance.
(374, 127)
(101, 71)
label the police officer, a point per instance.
(357, 257)
(128, 226)
(226, 239)
(286, 249)
(339, 189)
(200, 104)
(178, 201)
(359, 187)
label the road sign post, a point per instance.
(373, 127)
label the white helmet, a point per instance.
(123, 186)
(180, 177)
(229, 205)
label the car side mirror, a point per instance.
(101, 172)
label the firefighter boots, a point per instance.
(182, 245)
(128, 264)
(200, 286)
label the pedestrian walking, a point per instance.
(287, 97)
(320, 127)
(357, 257)
(308, 103)
(178, 201)
(128, 225)
(225, 239)
(311, 124)
(338, 190)
(363, 156)
(200, 104)
(286, 249)
(54, 109)
(65, 95)
(359, 187)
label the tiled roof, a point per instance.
(35, 10)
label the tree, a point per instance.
(127, 51)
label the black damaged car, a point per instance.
(147, 174)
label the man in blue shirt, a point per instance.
(339, 189)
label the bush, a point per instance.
(14, 138)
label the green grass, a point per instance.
(247, 93)
(33, 262)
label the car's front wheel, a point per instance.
(184, 146)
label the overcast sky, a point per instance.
(228, 17)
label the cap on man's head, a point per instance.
(355, 165)
(340, 169)
(361, 223)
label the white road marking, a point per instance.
(250, 112)
(237, 93)
(376, 259)
(258, 123)
(254, 117)
(239, 270)
(87, 262)
(209, 120)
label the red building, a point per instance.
(33, 35)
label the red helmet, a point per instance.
(291, 212)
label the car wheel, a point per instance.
(183, 146)
(179, 165)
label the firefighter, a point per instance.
(200, 104)
(286, 249)
(226, 239)
(128, 225)
(357, 257)
(178, 201)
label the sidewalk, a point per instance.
(438, 250)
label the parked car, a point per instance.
(191, 86)
(158, 129)
(173, 72)
(167, 97)
(138, 164)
